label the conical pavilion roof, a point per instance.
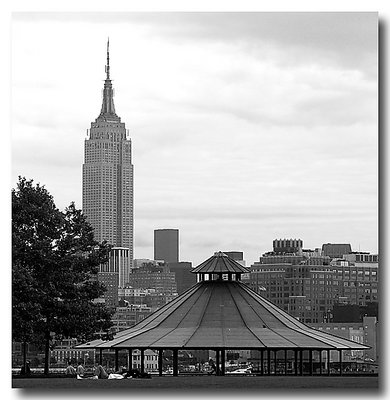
(226, 315)
(220, 263)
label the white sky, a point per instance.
(246, 127)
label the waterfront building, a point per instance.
(364, 332)
(150, 361)
(64, 351)
(129, 315)
(307, 284)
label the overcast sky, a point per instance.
(246, 127)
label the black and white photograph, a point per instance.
(195, 202)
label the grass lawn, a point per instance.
(196, 383)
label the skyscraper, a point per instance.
(166, 245)
(108, 182)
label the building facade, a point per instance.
(307, 284)
(183, 276)
(150, 360)
(166, 245)
(287, 245)
(336, 250)
(364, 332)
(144, 297)
(115, 274)
(128, 316)
(108, 183)
(162, 281)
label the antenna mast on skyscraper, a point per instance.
(108, 59)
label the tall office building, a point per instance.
(166, 245)
(108, 183)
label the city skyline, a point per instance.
(246, 127)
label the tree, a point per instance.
(55, 262)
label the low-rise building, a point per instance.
(129, 315)
(365, 332)
(150, 360)
(307, 283)
(183, 276)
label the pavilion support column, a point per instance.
(310, 362)
(296, 362)
(116, 360)
(262, 361)
(142, 361)
(269, 361)
(285, 362)
(223, 362)
(217, 362)
(175, 362)
(275, 360)
(320, 361)
(160, 363)
(100, 356)
(130, 359)
(301, 362)
(328, 357)
(341, 361)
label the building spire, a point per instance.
(108, 59)
(108, 108)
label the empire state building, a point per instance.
(108, 186)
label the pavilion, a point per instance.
(221, 313)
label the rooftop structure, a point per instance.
(336, 250)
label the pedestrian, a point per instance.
(213, 367)
(70, 370)
(25, 370)
(80, 371)
(100, 372)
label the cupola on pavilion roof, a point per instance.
(220, 263)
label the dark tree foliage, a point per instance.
(55, 260)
